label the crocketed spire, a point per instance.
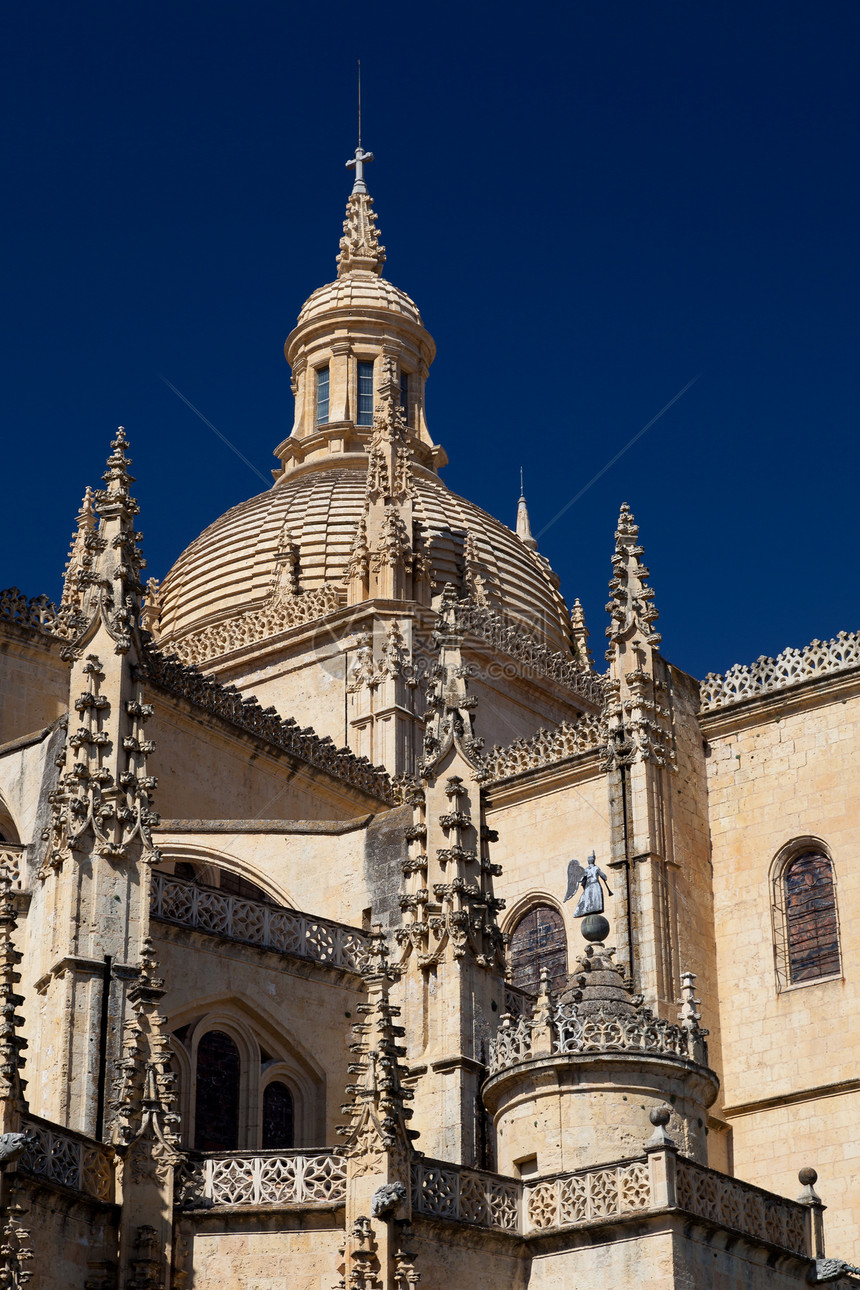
(360, 250)
(630, 608)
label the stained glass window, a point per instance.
(812, 930)
(539, 941)
(365, 394)
(277, 1116)
(322, 396)
(216, 1120)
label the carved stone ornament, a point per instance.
(386, 1199)
(103, 792)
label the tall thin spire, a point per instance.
(524, 528)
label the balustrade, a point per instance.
(741, 1206)
(70, 1160)
(586, 1194)
(442, 1190)
(593, 1033)
(791, 667)
(11, 857)
(254, 922)
(275, 1178)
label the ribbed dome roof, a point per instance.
(359, 291)
(232, 564)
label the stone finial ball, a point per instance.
(595, 927)
(808, 1177)
(660, 1116)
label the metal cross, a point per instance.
(358, 164)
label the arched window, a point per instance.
(805, 916)
(277, 1116)
(216, 1114)
(539, 941)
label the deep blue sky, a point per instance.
(590, 202)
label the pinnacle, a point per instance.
(524, 529)
(360, 249)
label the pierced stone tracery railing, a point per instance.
(274, 1178)
(546, 747)
(586, 1194)
(254, 922)
(518, 1003)
(443, 1190)
(791, 667)
(741, 1206)
(72, 1161)
(38, 612)
(572, 1032)
(514, 640)
(10, 863)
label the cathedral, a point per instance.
(360, 927)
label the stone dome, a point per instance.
(231, 566)
(361, 292)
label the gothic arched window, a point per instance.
(277, 1116)
(539, 941)
(216, 1113)
(812, 933)
(805, 916)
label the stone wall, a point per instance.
(74, 1239)
(235, 776)
(277, 1009)
(782, 768)
(34, 681)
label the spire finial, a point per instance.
(524, 528)
(359, 103)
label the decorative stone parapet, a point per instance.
(66, 1158)
(265, 1179)
(227, 702)
(741, 1207)
(595, 1032)
(547, 747)
(518, 1003)
(261, 623)
(790, 668)
(255, 922)
(586, 1194)
(10, 864)
(39, 612)
(443, 1190)
(513, 639)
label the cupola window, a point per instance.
(322, 395)
(365, 394)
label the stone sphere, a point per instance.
(595, 927)
(808, 1177)
(661, 1115)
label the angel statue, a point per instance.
(591, 900)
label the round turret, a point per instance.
(570, 1082)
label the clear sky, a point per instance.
(592, 203)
